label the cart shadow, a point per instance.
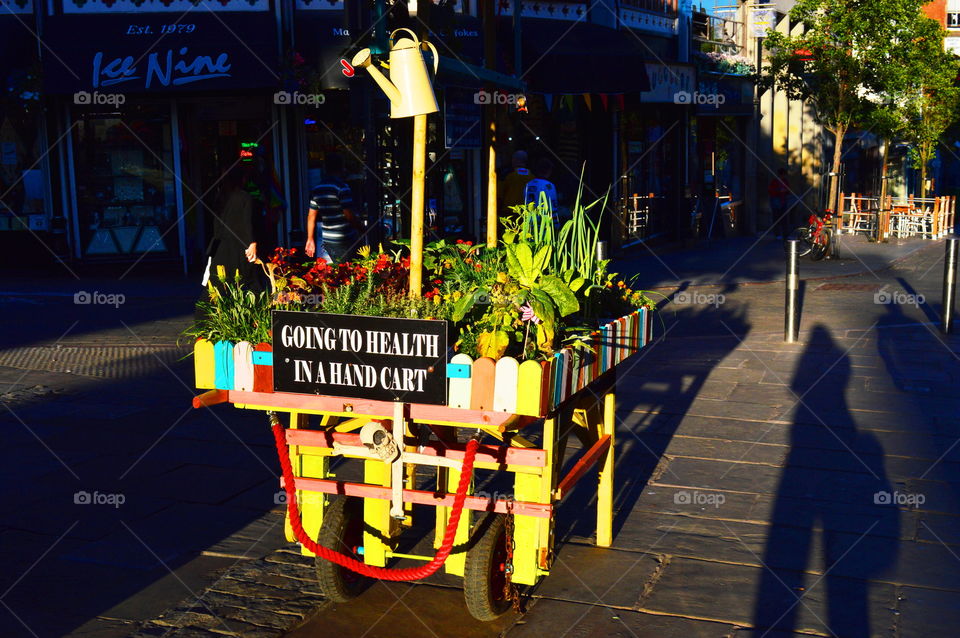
(656, 389)
(128, 486)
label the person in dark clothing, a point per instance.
(779, 192)
(330, 205)
(234, 244)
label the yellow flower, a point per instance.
(221, 272)
(364, 252)
(502, 277)
(456, 294)
(436, 300)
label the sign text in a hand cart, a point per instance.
(365, 357)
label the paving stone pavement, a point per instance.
(763, 488)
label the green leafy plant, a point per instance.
(231, 313)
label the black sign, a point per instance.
(462, 118)
(151, 52)
(362, 357)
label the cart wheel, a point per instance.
(341, 530)
(485, 575)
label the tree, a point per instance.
(837, 63)
(932, 107)
(921, 99)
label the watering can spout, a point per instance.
(364, 59)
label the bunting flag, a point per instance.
(587, 99)
(548, 100)
(604, 99)
(567, 102)
(620, 101)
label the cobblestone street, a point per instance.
(763, 488)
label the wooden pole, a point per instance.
(416, 204)
(492, 182)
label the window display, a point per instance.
(125, 187)
(22, 181)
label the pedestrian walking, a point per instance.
(331, 205)
(511, 189)
(234, 243)
(779, 192)
(541, 186)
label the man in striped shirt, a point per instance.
(330, 204)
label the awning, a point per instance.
(323, 40)
(18, 48)
(561, 56)
(112, 53)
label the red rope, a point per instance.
(408, 573)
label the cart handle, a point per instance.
(383, 573)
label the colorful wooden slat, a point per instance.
(262, 374)
(458, 393)
(546, 402)
(243, 366)
(624, 337)
(528, 388)
(611, 336)
(567, 375)
(482, 374)
(223, 357)
(203, 365)
(505, 384)
(576, 364)
(556, 385)
(595, 366)
(646, 317)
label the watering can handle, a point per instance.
(410, 31)
(436, 56)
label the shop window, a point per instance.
(126, 198)
(22, 180)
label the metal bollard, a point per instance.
(601, 250)
(949, 284)
(791, 327)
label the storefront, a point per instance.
(724, 108)
(25, 207)
(150, 112)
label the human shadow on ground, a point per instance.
(840, 509)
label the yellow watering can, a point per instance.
(409, 87)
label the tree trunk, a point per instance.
(884, 167)
(838, 133)
(926, 154)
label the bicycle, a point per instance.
(815, 237)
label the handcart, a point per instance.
(501, 416)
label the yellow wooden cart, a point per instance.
(500, 542)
